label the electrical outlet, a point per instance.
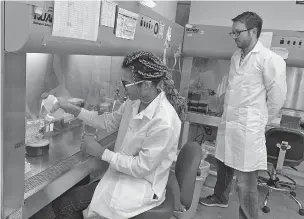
(151, 26)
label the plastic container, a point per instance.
(46, 107)
(49, 102)
(37, 144)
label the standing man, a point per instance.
(255, 93)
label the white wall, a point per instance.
(284, 15)
(166, 9)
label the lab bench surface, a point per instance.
(212, 120)
(63, 167)
(62, 146)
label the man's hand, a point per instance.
(91, 146)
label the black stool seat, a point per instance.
(163, 211)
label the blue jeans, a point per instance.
(246, 187)
(71, 204)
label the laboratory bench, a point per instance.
(49, 176)
(214, 120)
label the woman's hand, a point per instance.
(63, 104)
(91, 146)
(45, 95)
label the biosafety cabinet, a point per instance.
(34, 58)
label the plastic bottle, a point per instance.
(49, 102)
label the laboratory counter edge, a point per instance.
(67, 166)
(209, 120)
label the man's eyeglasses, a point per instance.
(126, 84)
(238, 32)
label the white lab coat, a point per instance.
(241, 132)
(145, 149)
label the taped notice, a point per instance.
(283, 52)
(126, 24)
(45, 18)
(76, 19)
(107, 13)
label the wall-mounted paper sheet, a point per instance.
(77, 19)
(126, 24)
(107, 13)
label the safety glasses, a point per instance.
(126, 84)
(237, 33)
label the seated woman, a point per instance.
(148, 125)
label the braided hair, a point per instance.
(147, 66)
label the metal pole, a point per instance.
(1, 114)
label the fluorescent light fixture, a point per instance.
(148, 3)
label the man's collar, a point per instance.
(255, 49)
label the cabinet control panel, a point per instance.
(289, 42)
